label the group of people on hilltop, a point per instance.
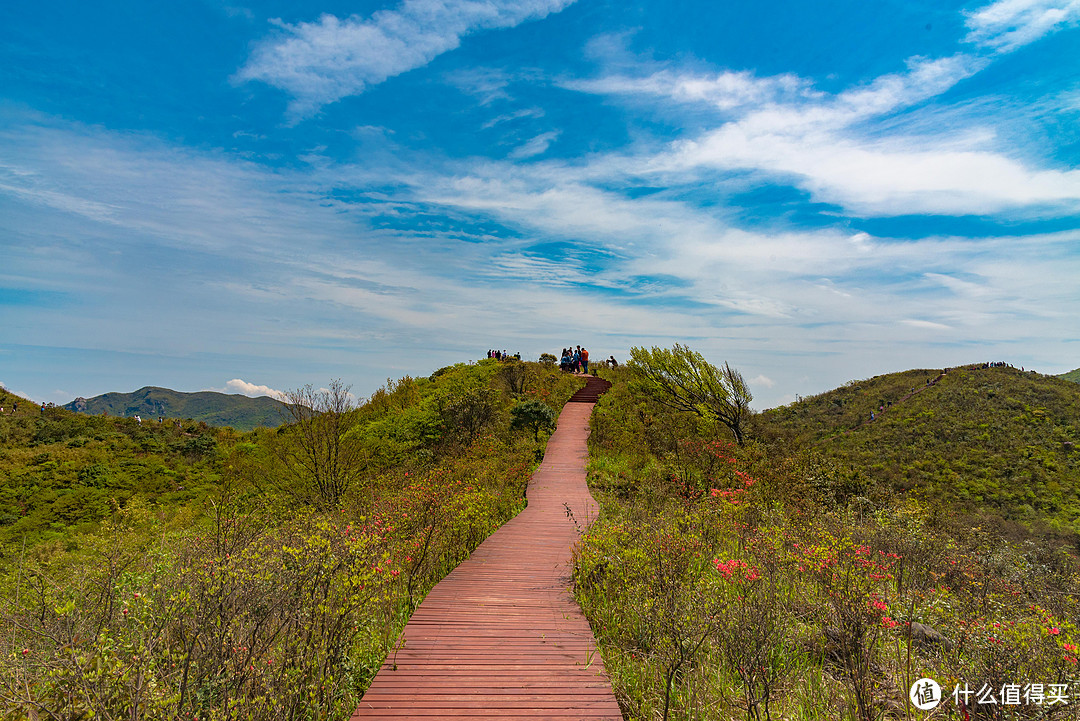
(574, 360)
(502, 355)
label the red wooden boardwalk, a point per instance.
(500, 636)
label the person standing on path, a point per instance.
(585, 361)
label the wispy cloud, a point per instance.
(486, 84)
(321, 62)
(533, 112)
(535, 146)
(820, 142)
(726, 90)
(1006, 25)
(927, 324)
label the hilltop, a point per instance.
(1073, 376)
(994, 440)
(216, 409)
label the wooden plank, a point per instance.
(500, 636)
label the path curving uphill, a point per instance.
(500, 636)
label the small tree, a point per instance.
(516, 376)
(316, 450)
(466, 415)
(534, 415)
(683, 380)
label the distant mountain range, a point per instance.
(216, 409)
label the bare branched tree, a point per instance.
(319, 456)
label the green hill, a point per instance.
(994, 440)
(1073, 376)
(814, 570)
(216, 409)
(145, 566)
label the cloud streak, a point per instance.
(324, 61)
(1007, 25)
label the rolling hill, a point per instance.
(994, 440)
(1073, 376)
(216, 409)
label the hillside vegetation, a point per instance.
(215, 409)
(992, 440)
(810, 566)
(1073, 376)
(163, 572)
(812, 573)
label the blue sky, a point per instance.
(206, 195)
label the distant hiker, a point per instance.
(42, 407)
(614, 363)
(584, 361)
(871, 415)
(138, 419)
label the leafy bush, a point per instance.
(532, 415)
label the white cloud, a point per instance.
(324, 61)
(535, 146)
(897, 176)
(242, 387)
(836, 146)
(725, 90)
(487, 84)
(1006, 25)
(928, 324)
(21, 394)
(820, 142)
(533, 112)
(762, 380)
